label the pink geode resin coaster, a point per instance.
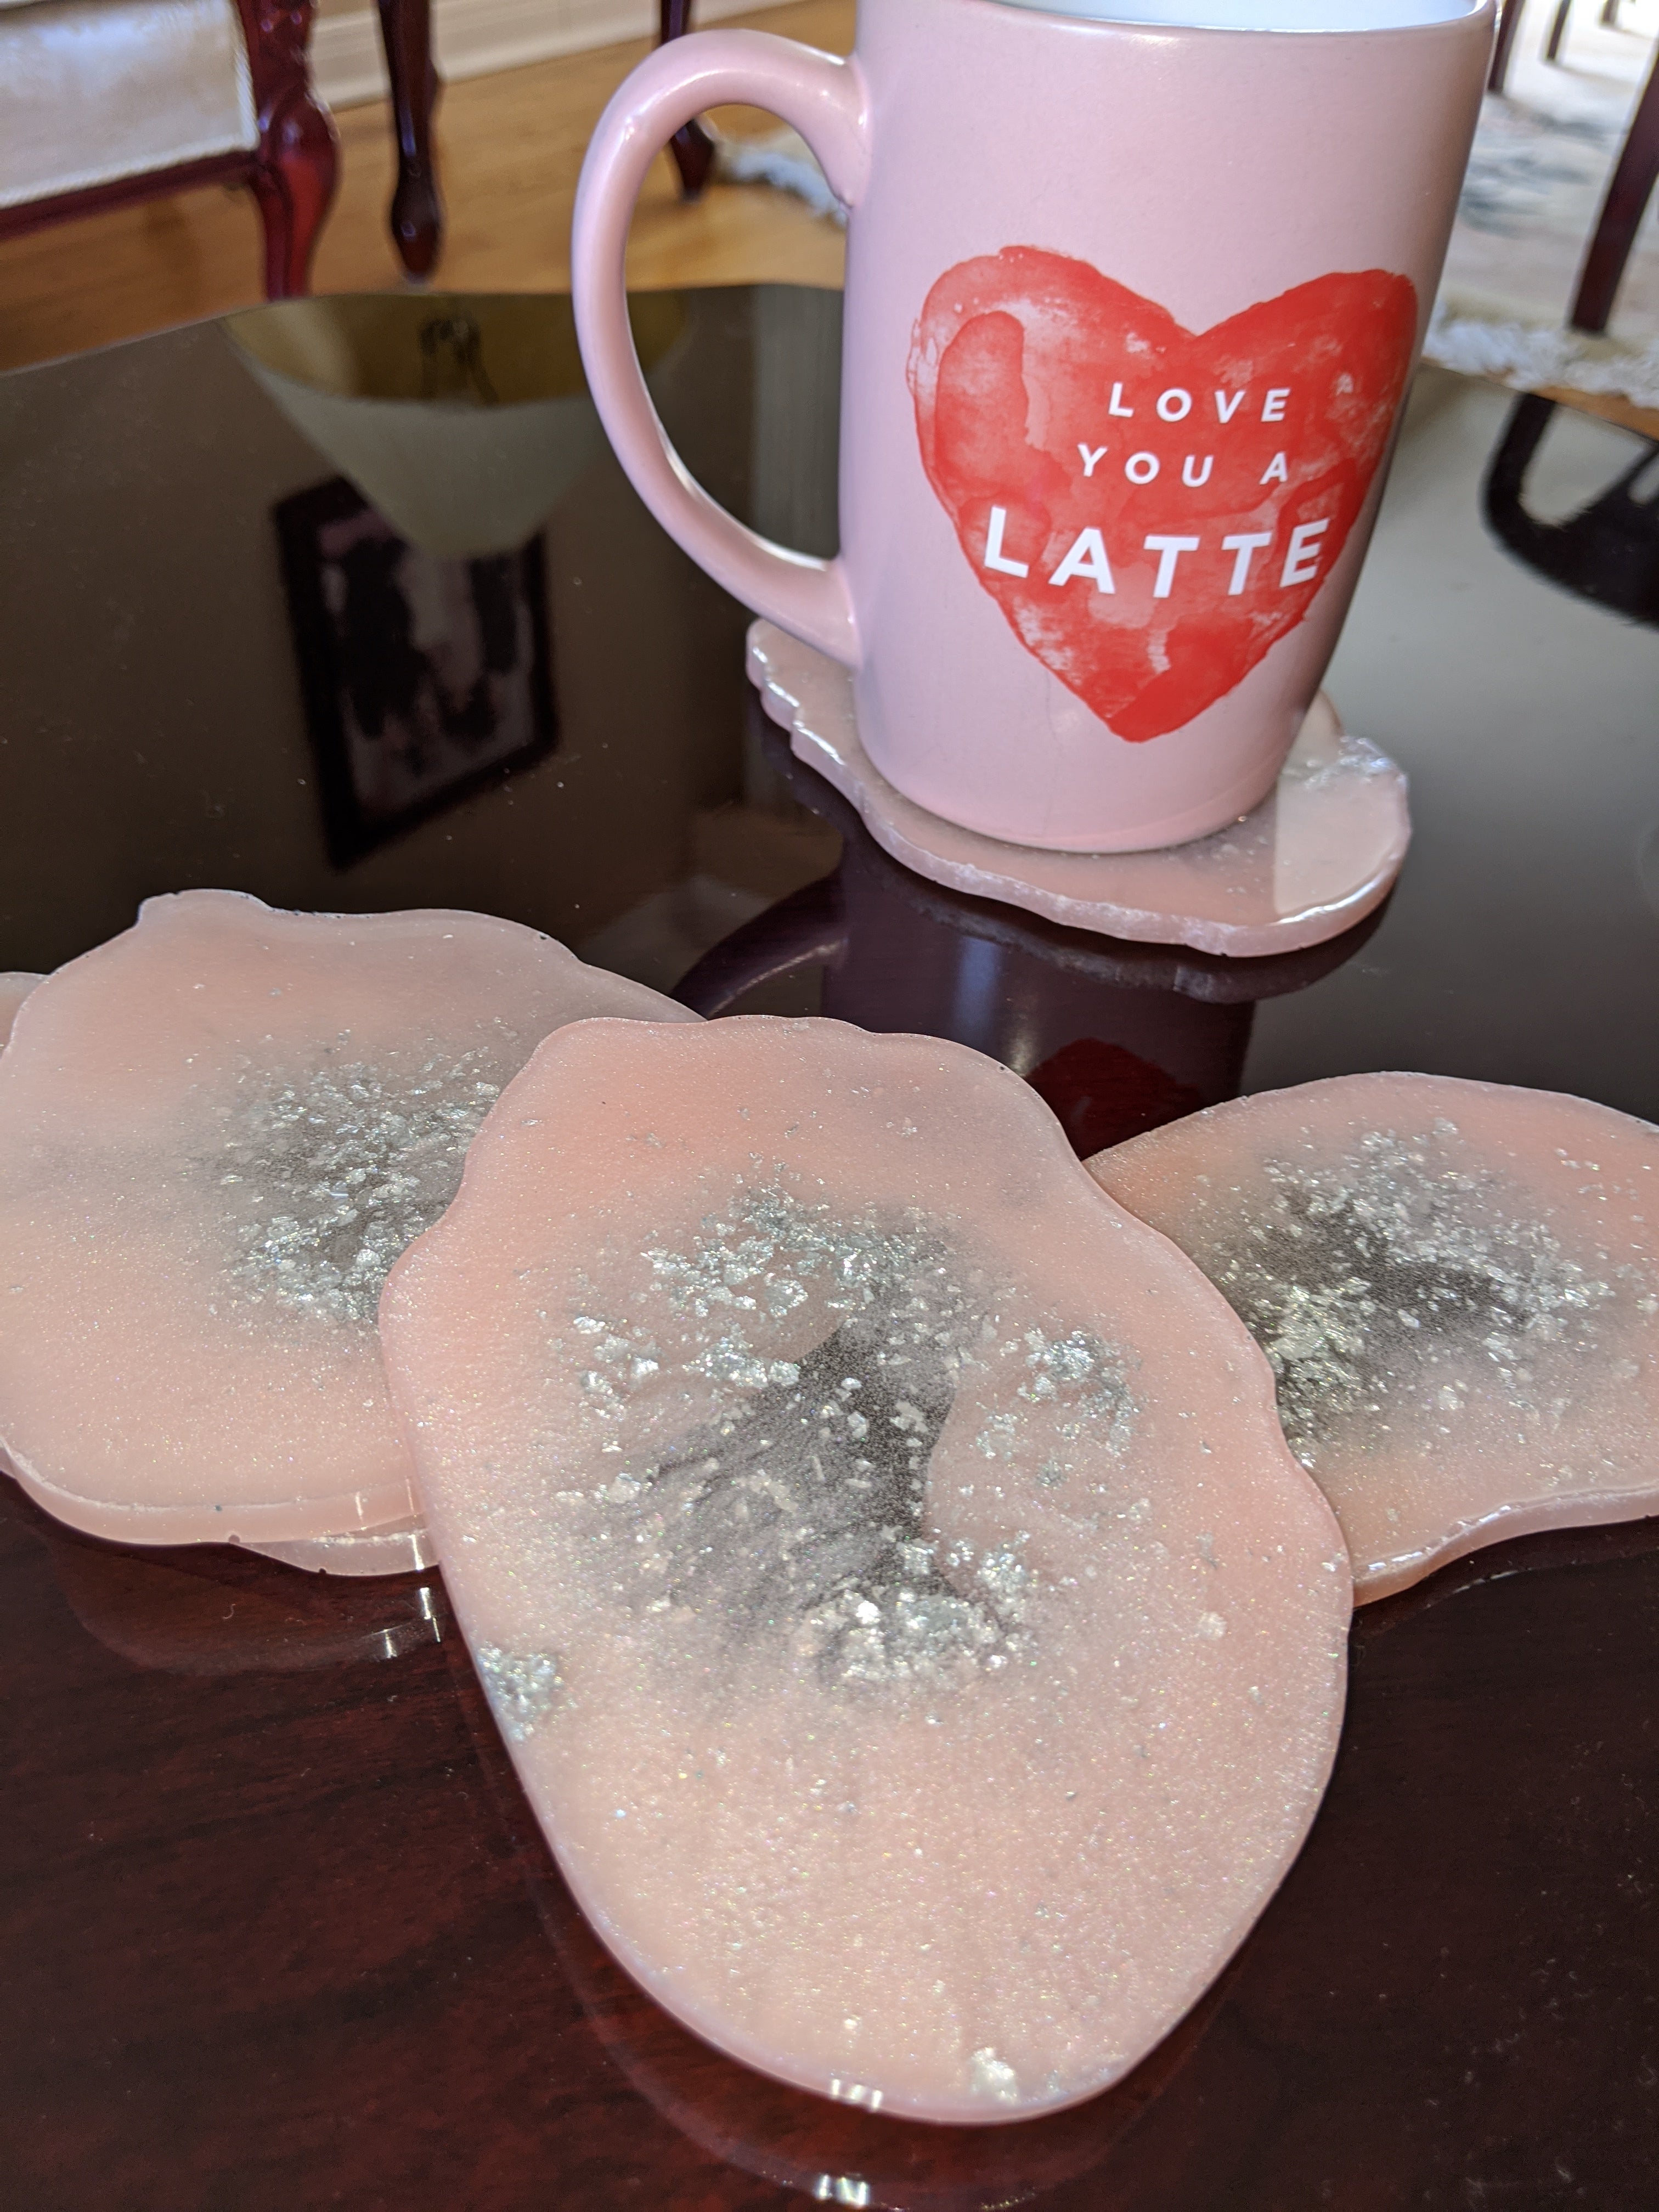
(1319, 853)
(16, 984)
(1457, 1285)
(216, 1132)
(919, 1646)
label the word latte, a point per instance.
(1086, 558)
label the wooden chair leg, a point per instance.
(417, 212)
(298, 158)
(1508, 23)
(691, 146)
(1557, 38)
(1629, 189)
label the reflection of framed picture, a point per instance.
(424, 677)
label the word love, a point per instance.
(1086, 557)
(1198, 539)
(1175, 405)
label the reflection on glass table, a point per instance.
(1606, 549)
(1117, 1036)
(424, 675)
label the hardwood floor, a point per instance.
(510, 148)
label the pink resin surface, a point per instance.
(16, 984)
(920, 1648)
(1319, 852)
(216, 1132)
(1457, 1285)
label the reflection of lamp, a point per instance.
(463, 420)
(1117, 1036)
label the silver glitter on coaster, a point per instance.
(801, 1514)
(1082, 1380)
(1386, 1282)
(992, 2078)
(345, 1169)
(521, 1687)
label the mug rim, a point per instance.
(1468, 12)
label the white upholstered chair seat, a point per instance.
(95, 90)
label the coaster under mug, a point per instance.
(1320, 852)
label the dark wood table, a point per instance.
(276, 1928)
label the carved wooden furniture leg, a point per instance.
(692, 147)
(294, 177)
(1508, 23)
(1629, 190)
(417, 212)
(1608, 551)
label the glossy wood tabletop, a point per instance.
(277, 1928)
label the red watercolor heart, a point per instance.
(1022, 365)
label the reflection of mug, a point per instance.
(1115, 1038)
(1130, 307)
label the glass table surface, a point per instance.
(276, 1926)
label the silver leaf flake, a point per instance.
(801, 1511)
(1363, 1278)
(343, 1170)
(521, 1686)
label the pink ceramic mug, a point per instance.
(1130, 310)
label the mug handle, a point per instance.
(825, 100)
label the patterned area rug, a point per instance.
(1543, 153)
(1542, 156)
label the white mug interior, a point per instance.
(1260, 14)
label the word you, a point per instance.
(1086, 557)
